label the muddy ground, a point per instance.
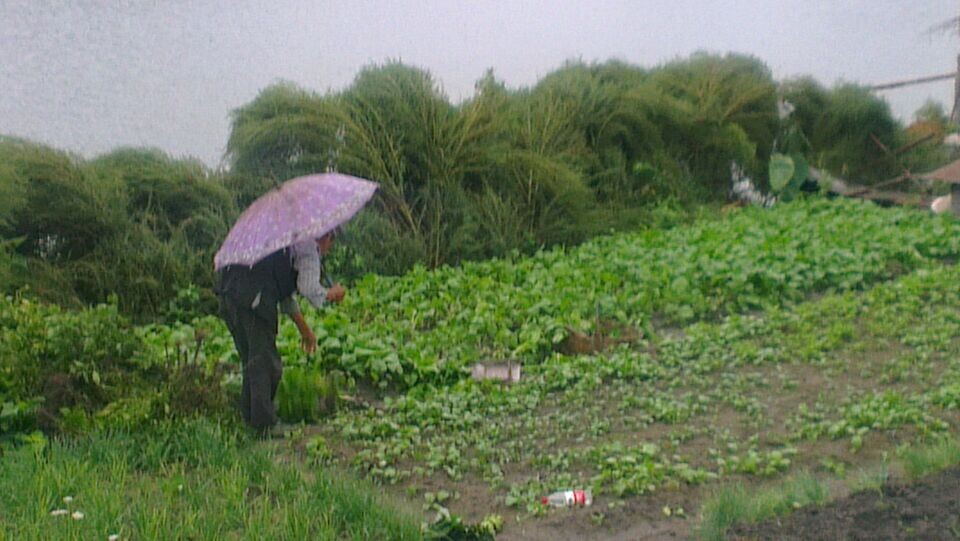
(637, 520)
(928, 509)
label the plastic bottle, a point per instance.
(568, 498)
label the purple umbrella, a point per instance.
(303, 208)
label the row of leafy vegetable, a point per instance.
(427, 326)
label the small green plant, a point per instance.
(318, 452)
(727, 506)
(301, 392)
(872, 478)
(17, 416)
(836, 467)
(452, 528)
(307, 393)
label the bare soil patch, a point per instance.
(928, 509)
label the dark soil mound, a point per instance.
(928, 509)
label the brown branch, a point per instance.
(900, 150)
(889, 154)
(918, 142)
(880, 144)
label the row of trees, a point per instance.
(135, 223)
(589, 148)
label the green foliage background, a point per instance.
(589, 149)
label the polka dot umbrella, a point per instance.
(299, 209)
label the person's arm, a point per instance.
(310, 269)
(308, 340)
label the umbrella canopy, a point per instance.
(300, 209)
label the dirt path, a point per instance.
(928, 509)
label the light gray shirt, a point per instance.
(306, 260)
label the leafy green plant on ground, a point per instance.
(428, 326)
(62, 359)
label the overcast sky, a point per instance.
(92, 75)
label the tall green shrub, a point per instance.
(844, 134)
(841, 125)
(609, 106)
(63, 211)
(541, 174)
(406, 135)
(730, 109)
(283, 133)
(178, 214)
(168, 193)
(135, 223)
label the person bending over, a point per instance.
(249, 300)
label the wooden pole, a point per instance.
(955, 114)
(920, 80)
(955, 199)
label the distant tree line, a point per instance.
(589, 149)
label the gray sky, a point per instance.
(91, 75)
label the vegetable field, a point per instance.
(819, 338)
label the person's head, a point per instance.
(325, 242)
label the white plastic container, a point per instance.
(569, 498)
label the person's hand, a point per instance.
(336, 293)
(308, 341)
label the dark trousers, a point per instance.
(255, 338)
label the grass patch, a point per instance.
(922, 460)
(214, 485)
(734, 503)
